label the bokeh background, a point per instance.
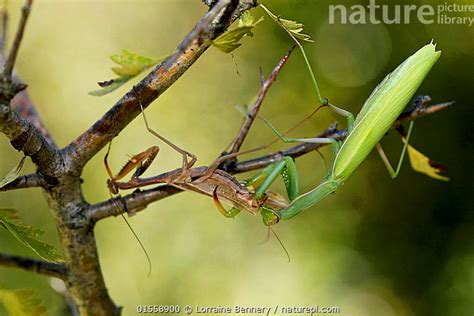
(376, 247)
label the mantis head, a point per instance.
(112, 185)
(269, 216)
(272, 201)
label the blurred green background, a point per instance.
(376, 247)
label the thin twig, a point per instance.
(418, 112)
(22, 103)
(33, 265)
(132, 203)
(23, 135)
(4, 18)
(256, 107)
(33, 180)
(10, 63)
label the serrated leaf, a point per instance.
(229, 41)
(109, 86)
(420, 163)
(29, 236)
(21, 302)
(131, 65)
(294, 27)
(12, 175)
(246, 19)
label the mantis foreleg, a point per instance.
(140, 162)
(227, 213)
(287, 168)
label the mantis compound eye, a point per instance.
(269, 216)
(112, 187)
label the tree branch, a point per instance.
(421, 109)
(85, 281)
(239, 140)
(22, 103)
(25, 137)
(33, 265)
(22, 134)
(10, 63)
(132, 203)
(27, 181)
(4, 18)
(214, 23)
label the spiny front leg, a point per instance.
(227, 213)
(140, 162)
(286, 168)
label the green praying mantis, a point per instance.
(377, 115)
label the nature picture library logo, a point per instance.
(446, 13)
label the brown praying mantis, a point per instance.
(208, 181)
(218, 184)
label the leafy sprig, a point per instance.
(230, 40)
(131, 65)
(13, 174)
(293, 27)
(29, 236)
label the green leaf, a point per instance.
(21, 302)
(131, 65)
(246, 19)
(12, 175)
(229, 41)
(109, 86)
(29, 236)
(293, 27)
